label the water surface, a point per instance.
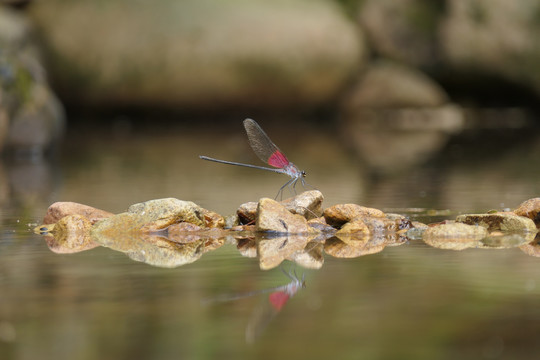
(410, 301)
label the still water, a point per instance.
(410, 301)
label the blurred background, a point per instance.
(407, 106)
(398, 104)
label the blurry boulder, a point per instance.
(31, 117)
(495, 37)
(405, 30)
(199, 54)
(473, 40)
(397, 117)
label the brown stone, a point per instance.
(274, 217)
(59, 210)
(338, 215)
(247, 213)
(530, 209)
(308, 204)
(454, 236)
(499, 221)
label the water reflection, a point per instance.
(162, 250)
(263, 314)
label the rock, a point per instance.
(338, 215)
(274, 217)
(308, 204)
(59, 210)
(321, 225)
(159, 214)
(454, 236)
(530, 209)
(499, 222)
(71, 234)
(492, 37)
(405, 30)
(247, 213)
(213, 219)
(151, 216)
(211, 53)
(355, 228)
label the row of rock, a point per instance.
(172, 232)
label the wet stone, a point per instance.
(338, 215)
(499, 221)
(247, 213)
(59, 210)
(530, 209)
(274, 217)
(213, 219)
(308, 204)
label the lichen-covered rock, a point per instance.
(338, 215)
(59, 210)
(159, 214)
(499, 222)
(274, 217)
(530, 209)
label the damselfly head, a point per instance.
(303, 173)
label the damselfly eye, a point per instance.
(303, 173)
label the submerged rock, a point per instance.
(59, 210)
(338, 215)
(454, 236)
(499, 222)
(530, 209)
(274, 217)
